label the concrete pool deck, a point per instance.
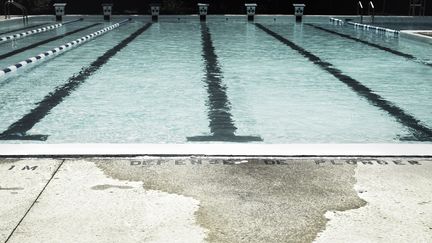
(216, 199)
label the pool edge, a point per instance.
(229, 150)
(414, 35)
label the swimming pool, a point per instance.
(226, 80)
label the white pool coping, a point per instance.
(252, 150)
(415, 35)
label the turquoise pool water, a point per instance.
(220, 81)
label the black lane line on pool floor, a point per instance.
(383, 48)
(221, 124)
(14, 52)
(24, 28)
(19, 129)
(420, 131)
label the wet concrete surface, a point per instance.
(253, 200)
(202, 199)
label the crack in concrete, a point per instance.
(35, 201)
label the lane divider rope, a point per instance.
(23, 28)
(35, 31)
(377, 29)
(336, 21)
(60, 49)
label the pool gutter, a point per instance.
(237, 150)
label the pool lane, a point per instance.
(16, 51)
(222, 126)
(396, 79)
(400, 80)
(15, 25)
(283, 97)
(21, 92)
(8, 38)
(19, 129)
(4, 32)
(150, 92)
(61, 49)
(19, 51)
(380, 47)
(420, 51)
(420, 131)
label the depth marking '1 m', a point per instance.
(19, 129)
(419, 131)
(221, 124)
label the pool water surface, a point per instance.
(219, 81)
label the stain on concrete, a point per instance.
(8, 161)
(254, 201)
(11, 188)
(105, 187)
